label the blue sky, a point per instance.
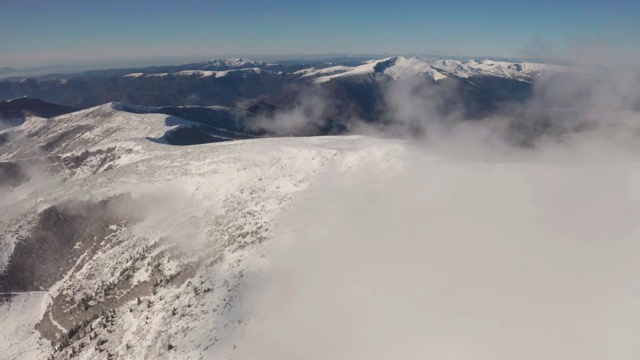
(47, 32)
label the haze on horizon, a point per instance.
(75, 32)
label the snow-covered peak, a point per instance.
(517, 70)
(397, 67)
(408, 67)
(200, 73)
(400, 67)
(100, 126)
(333, 72)
(234, 63)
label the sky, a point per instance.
(71, 32)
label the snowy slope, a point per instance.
(102, 125)
(202, 214)
(19, 314)
(176, 252)
(106, 135)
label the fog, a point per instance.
(515, 237)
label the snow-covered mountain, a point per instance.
(216, 68)
(236, 63)
(124, 246)
(356, 88)
(116, 244)
(399, 67)
(165, 223)
(200, 73)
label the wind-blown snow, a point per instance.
(209, 209)
(18, 337)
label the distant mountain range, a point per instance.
(135, 205)
(253, 98)
(354, 88)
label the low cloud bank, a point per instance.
(456, 260)
(514, 237)
(598, 92)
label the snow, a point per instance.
(97, 128)
(366, 68)
(13, 231)
(400, 68)
(208, 207)
(18, 98)
(332, 70)
(199, 73)
(518, 70)
(403, 68)
(236, 63)
(217, 214)
(18, 337)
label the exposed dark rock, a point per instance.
(12, 174)
(61, 235)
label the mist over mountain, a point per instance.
(342, 94)
(398, 207)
